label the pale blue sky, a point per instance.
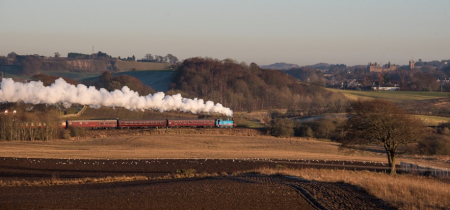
(261, 31)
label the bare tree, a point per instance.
(380, 122)
(149, 57)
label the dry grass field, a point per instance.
(404, 191)
(200, 143)
(394, 96)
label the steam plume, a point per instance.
(64, 93)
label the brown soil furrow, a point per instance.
(323, 195)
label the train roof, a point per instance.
(140, 119)
(191, 119)
(92, 120)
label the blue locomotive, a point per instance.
(225, 123)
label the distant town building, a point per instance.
(385, 88)
(374, 67)
(351, 84)
(411, 64)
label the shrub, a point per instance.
(434, 145)
(77, 132)
(281, 127)
(325, 128)
(444, 131)
(186, 172)
(303, 130)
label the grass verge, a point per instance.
(179, 174)
(403, 191)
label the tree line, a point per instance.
(30, 123)
(169, 58)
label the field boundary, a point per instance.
(424, 170)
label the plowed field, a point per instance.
(225, 191)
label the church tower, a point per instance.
(411, 64)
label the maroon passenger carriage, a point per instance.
(93, 124)
(190, 123)
(142, 123)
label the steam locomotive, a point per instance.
(164, 123)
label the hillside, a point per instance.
(250, 88)
(394, 96)
(124, 66)
(414, 102)
(158, 80)
(280, 66)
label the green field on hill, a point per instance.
(394, 96)
(432, 120)
(158, 80)
(72, 75)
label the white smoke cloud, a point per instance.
(67, 94)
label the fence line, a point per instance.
(424, 170)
